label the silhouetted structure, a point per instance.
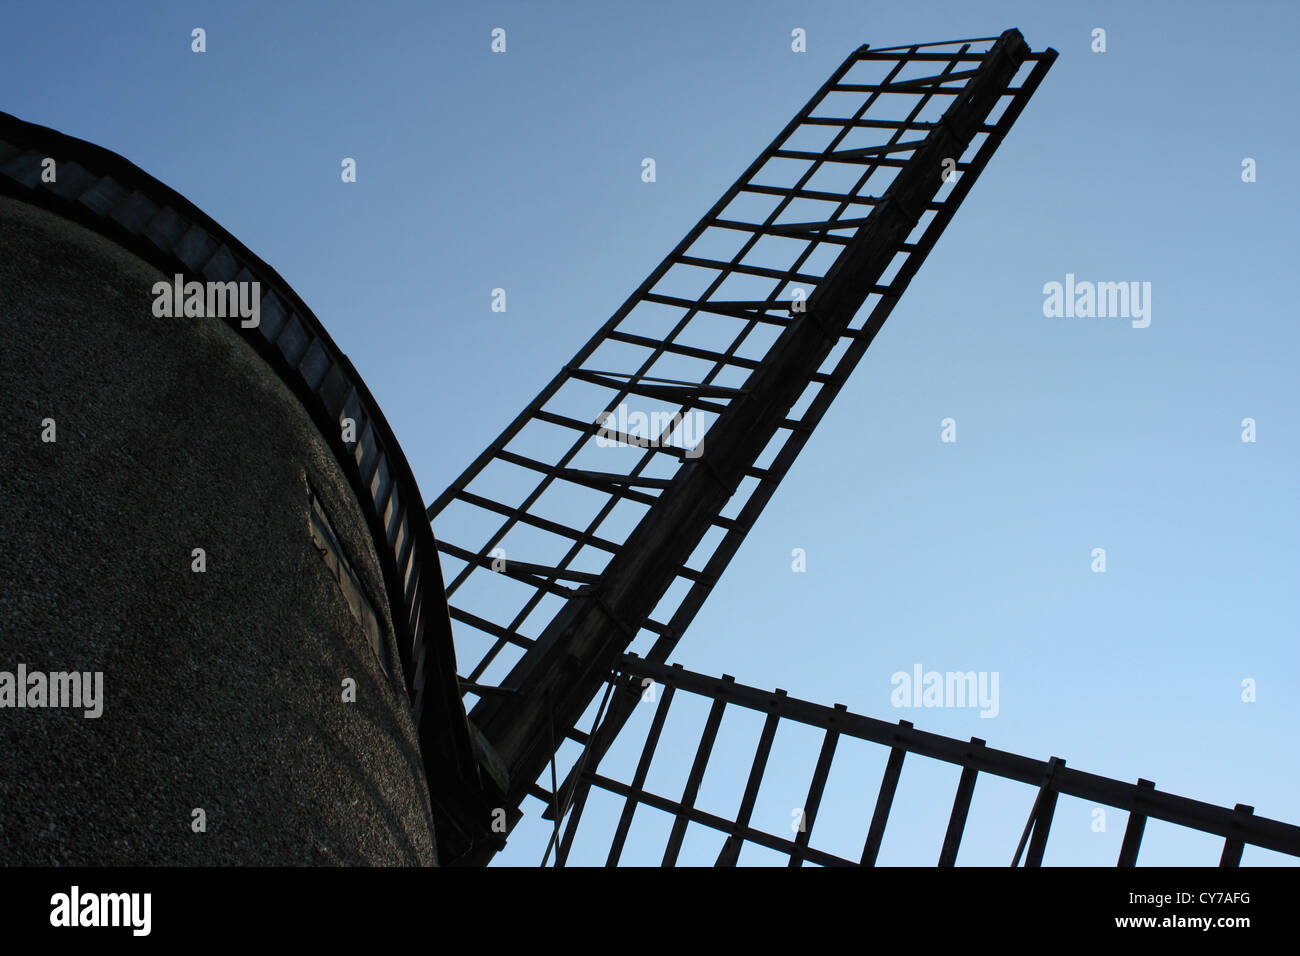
(800, 263)
(223, 688)
(262, 444)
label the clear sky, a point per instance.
(522, 170)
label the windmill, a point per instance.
(732, 348)
(574, 552)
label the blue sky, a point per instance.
(523, 171)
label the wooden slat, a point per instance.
(1232, 846)
(692, 788)
(884, 801)
(815, 789)
(960, 808)
(1128, 852)
(638, 778)
(730, 852)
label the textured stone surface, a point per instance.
(222, 690)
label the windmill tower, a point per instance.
(505, 656)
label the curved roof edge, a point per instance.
(116, 199)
